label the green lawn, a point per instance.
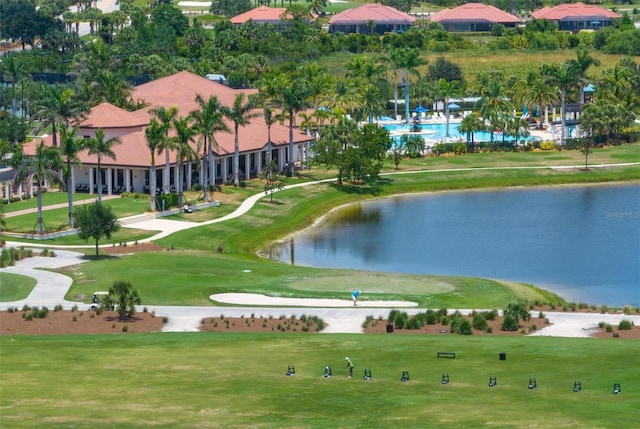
(190, 277)
(15, 287)
(197, 380)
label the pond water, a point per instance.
(582, 242)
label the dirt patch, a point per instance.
(493, 328)
(261, 324)
(76, 322)
(135, 248)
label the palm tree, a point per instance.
(154, 135)
(184, 152)
(446, 90)
(100, 147)
(517, 127)
(495, 106)
(240, 114)
(344, 95)
(542, 95)
(165, 117)
(306, 122)
(208, 119)
(56, 107)
(582, 63)
(70, 146)
(470, 124)
(43, 166)
(562, 76)
(405, 61)
(292, 96)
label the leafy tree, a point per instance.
(273, 181)
(99, 146)
(445, 69)
(95, 221)
(170, 15)
(405, 62)
(495, 106)
(230, 7)
(43, 166)
(124, 297)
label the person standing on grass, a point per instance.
(349, 366)
(354, 296)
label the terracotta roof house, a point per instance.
(577, 16)
(474, 17)
(261, 15)
(360, 19)
(131, 168)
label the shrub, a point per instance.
(57, 308)
(627, 310)
(414, 323)
(430, 317)
(548, 145)
(490, 315)
(479, 322)
(534, 327)
(509, 323)
(604, 309)
(625, 325)
(125, 328)
(489, 330)
(541, 315)
(608, 328)
(465, 327)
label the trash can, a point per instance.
(503, 356)
(389, 327)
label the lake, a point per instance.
(581, 242)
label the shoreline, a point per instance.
(559, 292)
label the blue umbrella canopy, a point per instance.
(420, 109)
(589, 88)
(453, 106)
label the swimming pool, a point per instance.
(436, 132)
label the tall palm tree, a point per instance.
(101, 147)
(373, 104)
(541, 94)
(70, 146)
(165, 117)
(345, 95)
(495, 107)
(154, 135)
(185, 134)
(582, 63)
(43, 166)
(240, 113)
(56, 107)
(563, 77)
(406, 62)
(208, 119)
(446, 90)
(517, 127)
(292, 96)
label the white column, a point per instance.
(109, 181)
(176, 177)
(247, 166)
(188, 176)
(127, 179)
(259, 162)
(6, 190)
(31, 186)
(224, 167)
(20, 190)
(91, 170)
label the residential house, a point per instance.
(474, 17)
(371, 18)
(577, 16)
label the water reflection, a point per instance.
(582, 242)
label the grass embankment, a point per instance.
(215, 380)
(189, 278)
(15, 287)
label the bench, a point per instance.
(447, 354)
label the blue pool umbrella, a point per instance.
(420, 109)
(453, 106)
(589, 89)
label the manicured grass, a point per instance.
(189, 278)
(188, 380)
(15, 287)
(48, 198)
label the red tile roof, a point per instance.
(575, 10)
(262, 14)
(107, 115)
(371, 12)
(474, 12)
